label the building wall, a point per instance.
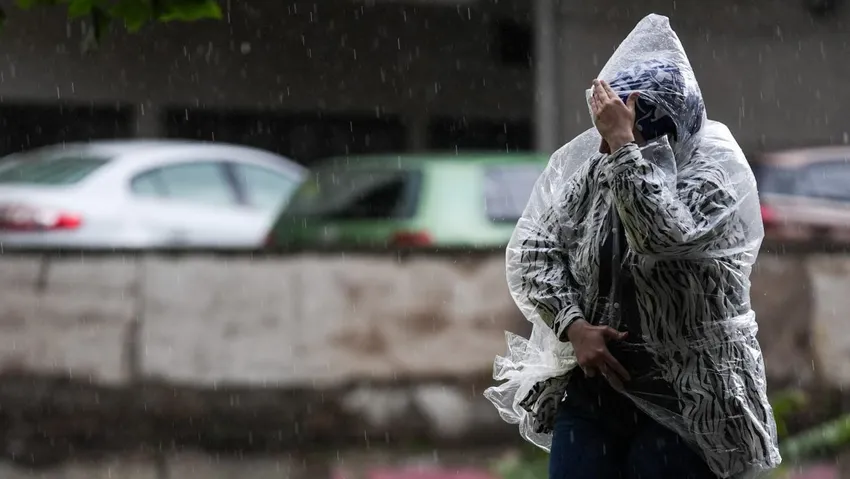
(768, 70)
(415, 66)
(774, 74)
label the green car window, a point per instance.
(358, 194)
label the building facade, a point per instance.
(311, 79)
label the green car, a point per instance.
(466, 201)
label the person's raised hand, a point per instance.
(590, 344)
(614, 119)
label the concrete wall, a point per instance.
(297, 351)
(768, 70)
(279, 353)
(323, 320)
(240, 321)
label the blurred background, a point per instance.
(265, 238)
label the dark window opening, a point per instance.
(303, 137)
(31, 126)
(378, 203)
(515, 43)
(462, 134)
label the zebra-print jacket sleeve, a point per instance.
(542, 270)
(666, 216)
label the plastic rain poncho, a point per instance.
(689, 207)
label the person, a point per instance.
(632, 260)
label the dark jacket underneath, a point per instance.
(616, 280)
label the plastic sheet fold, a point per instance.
(688, 204)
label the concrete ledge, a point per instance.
(243, 352)
(319, 320)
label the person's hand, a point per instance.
(614, 119)
(592, 352)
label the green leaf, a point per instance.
(189, 10)
(27, 4)
(81, 8)
(133, 13)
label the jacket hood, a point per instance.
(651, 61)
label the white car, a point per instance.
(142, 194)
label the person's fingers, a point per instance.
(599, 91)
(612, 379)
(601, 94)
(611, 333)
(589, 371)
(609, 91)
(594, 105)
(632, 101)
(616, 367)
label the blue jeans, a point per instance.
(600, 434)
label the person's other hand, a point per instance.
(614, 119)
(592, 352)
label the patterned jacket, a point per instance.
(690, 251)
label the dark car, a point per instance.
(805, 194)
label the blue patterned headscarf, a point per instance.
(664, 106)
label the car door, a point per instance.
(192, 204)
